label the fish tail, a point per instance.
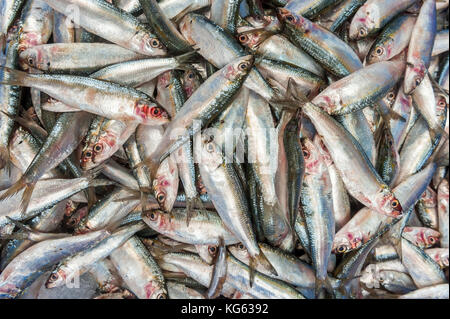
(262, 260)
(437, 131)
(91, 197)
(397, 243)
(4, 156)
(152, 164)
(186, 58)
(14, 189)
(26, 196)
(392, 115)
(2, 42)
(26, 231)
(321, 284)
(189, 209)
(12, 77)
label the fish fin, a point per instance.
(13, 77)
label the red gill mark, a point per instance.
(149, 290)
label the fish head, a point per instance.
(186, 25)
(328, 101)
(380, 52)
(388, 204)
(268, 22)
(294, 21)
(151, 113)
(311, 156)
(251, 37)
(441, 104)
(191, 81)
(147, 43)
(156, 219)
(86, 159)
(347, 241)
(154, 290)
(429, 236)
(57, 278)
(363, 22)
(429, 198)
(240, 252)
(34, 58)
(207, 252)
(341, 244)
(165, 184)
(211, 153)
(414, 76)
(238, 68)
(104, 148)
(390, 97)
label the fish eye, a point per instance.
(161, 296)
(362, 32)
(342, 249)
(212, 250)
(240, 246)
(290, 18)
(88, 154)
(153, 216)
(243, 38)
(191, 75)
(30, 61)
(378, 50)
(98, 148)
(417, 81)
(155, 111)
(390, 143)
(243, 66)
(161, 197)
(48, 64)
(210, 147)
(54, 276)
(391, 96)
(432, 240)
(306, 153)
(155, 43)
(395, 203)
(442, 103)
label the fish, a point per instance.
(120, 27)
(420, 47)
(374, 15)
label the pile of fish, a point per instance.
(225, 148)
